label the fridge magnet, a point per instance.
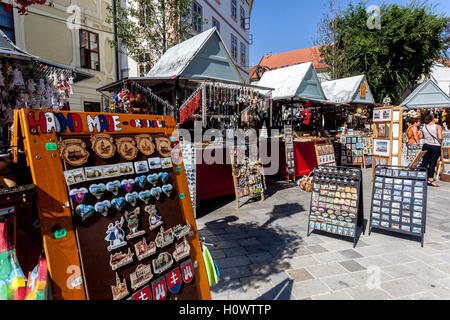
(103, 145)
(120, 290)
(97, 190)
(182, 250)
(128, 185)
(73, 152)
(74, 176)
(141, 167)
(162, 263)
(133, 223)
(126, 147)
(163, 146)
(111, 171)
(115, 235)
(145, 144)
(120, 259)
(118, 204)
(79, 195)
(167, 189)
(154, 163)
(141, 181)
(141, 276)
(156, 192)
(145, 196)
(173, 279)
(164, 238)
(153, 179)
(181, 231)
(166, 163)
(187, 271)
(159, 289)
(93, 173)
(144, 250)
(163, 176)
(131, 198)
(85, 211)
(102, 207)
(113, 187)
(126, 168)
(154, 221)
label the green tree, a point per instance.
(147, 28)
(393, 56)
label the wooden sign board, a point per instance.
(248, 176)
(387, 136)
(336, 201)
(81, 264)
(399, 200)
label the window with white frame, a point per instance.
(234, 47)
(242, 18)
(234, 9)
(243, 54)
(197, 17)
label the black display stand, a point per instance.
(399, 200)
(336, 202)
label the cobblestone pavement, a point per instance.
(262, 251)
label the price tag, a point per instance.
(60, 233)
(178, 169)
(182, 196)
(51, 146)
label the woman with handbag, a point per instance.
(432, 135)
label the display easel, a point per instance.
(417, 159)
(243, 186)
(387, 136)
(78, 262)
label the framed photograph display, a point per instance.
(336, 201)
(325, 154)
(399, 200)
(381, 147)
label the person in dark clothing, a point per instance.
(432, 135)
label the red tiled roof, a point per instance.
(280, 60)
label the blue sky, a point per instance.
(285, 25)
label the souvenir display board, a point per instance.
(387, 136)
(325, 154)
(356, 150)
(399, 200)
(116, 185)
(189, 158)
(248, 176)
(446, 154)
(336, 201)
(290, 155)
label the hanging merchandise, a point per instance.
(37, 281)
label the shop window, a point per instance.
(89, 50)
(234, 48)
(216, 24)
(91, 106)
(234, 9)
(243, 54)
(7, 21)
(242, 18)
(197, 17)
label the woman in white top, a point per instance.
(432, 136)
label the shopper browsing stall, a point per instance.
(432, 135)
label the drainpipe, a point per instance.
(116, 49)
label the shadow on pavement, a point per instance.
(280, 292)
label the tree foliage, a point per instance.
(393, 57)
(147, 28)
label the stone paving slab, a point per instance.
(263, 252)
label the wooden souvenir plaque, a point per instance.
(79, 264)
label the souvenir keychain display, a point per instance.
(399, 200)
(125, 186)
(336, 205)
(248, 175)
(189, 159)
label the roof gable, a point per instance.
(347, 90)
(296, 81)
(427, 95)
(202, 57)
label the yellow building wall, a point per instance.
(44, 32)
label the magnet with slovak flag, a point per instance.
(144, 294)
(187, 271)
(173, 279)
(159, 289)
